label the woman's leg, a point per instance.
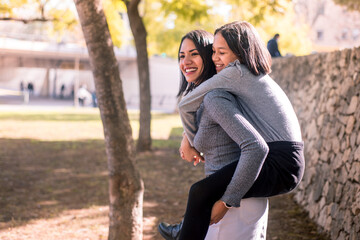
(202, 196)
(248, 222)
(281, 172)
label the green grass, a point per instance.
(51, 116)
(64, 115)
(82, 124)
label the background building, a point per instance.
(49, 66)
(332, 27)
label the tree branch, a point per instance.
(28, 20)
(133, 5)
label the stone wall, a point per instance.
(324, 90)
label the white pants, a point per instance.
(248, 222)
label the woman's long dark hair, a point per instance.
(246, 44)
(203, 42)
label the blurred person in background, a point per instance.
(273, 47)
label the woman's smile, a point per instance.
(191, 63)
(222, 54)
(219, 67)
(190, 70)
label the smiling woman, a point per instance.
(191, 64)
(222, 54)
(195, 53)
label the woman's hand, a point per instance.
(189, 153)
(218, 212)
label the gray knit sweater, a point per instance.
(227, 129)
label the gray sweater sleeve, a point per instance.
(223, 109)
(190, 103)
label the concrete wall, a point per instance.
(164, 82)
(324, 89)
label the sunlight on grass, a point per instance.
(76, 124)
(60, 156)
(90, 223)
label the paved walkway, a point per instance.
(15, 102)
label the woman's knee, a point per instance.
(199, 192)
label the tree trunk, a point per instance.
(125, 185)
(139, 32)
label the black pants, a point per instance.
(281, 172)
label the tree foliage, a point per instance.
(349, 4)
(191, 10)
(255, 11)
(57, 16)
(114, 12)
(7, 7)
(169, 22)
(294, 34)
(37, 10)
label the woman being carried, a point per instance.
(251, 141)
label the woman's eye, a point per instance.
(194, 54)
(181, 56)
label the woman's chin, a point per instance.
(190, 80)
(219, 69)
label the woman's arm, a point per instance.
(227, 79)
(222, 108)
(189, 153)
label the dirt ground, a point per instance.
(58, 190)
(173, 179)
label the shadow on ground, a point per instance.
(41, 179)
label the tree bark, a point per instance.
(139, 32)
(125, 185)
